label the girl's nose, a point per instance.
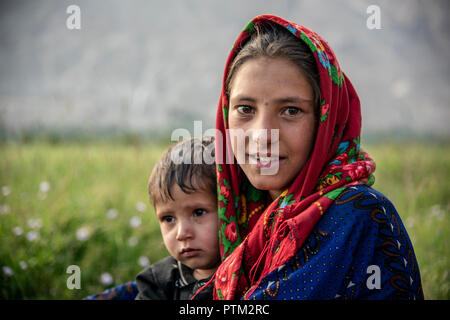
(184, 231)
(265, 131)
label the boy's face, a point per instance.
(189, 226)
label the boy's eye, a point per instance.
(199, 212)
(244, 109)
(168, 219)
(291, 111)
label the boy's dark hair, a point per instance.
(190, 174)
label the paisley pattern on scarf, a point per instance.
(258, 235)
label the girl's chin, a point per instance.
(267, 183)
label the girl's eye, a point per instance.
(244, 109)
(291, 111)
(168, 219)
(199, 212)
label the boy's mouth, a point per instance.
(189, 252)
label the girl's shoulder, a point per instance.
(361, 200)
(360, 192)
(361, 213)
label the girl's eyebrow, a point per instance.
(244, 98)
(291, 100)
(294, 99)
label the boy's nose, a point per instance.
(184, 231)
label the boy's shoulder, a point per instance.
(157, 281)
(165, 265)
(161, 271)
(166, 280)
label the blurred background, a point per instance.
(84, 115)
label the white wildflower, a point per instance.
(410, 222)
(111, 213)
(23, 265)
(35, 223)
(143, 261)
(8, 271)
(437, 212)
(141, 207)
(6, 191)
(106, 279)
(32, 236)
(132, 241)
(4, 209)
(17, 231)
(44, 186)
(83, 233)
(135, 222)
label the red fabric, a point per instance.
(259, 235)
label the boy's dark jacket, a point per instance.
(169, 280)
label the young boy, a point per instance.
(184, 197)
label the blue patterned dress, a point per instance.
(358, 250)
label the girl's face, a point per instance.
(272, 93)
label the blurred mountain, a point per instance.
(158, 65)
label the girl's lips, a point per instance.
(265, 162)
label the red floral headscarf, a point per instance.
(258, 235)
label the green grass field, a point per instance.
(86, 205)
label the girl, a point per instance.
(314, 229)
